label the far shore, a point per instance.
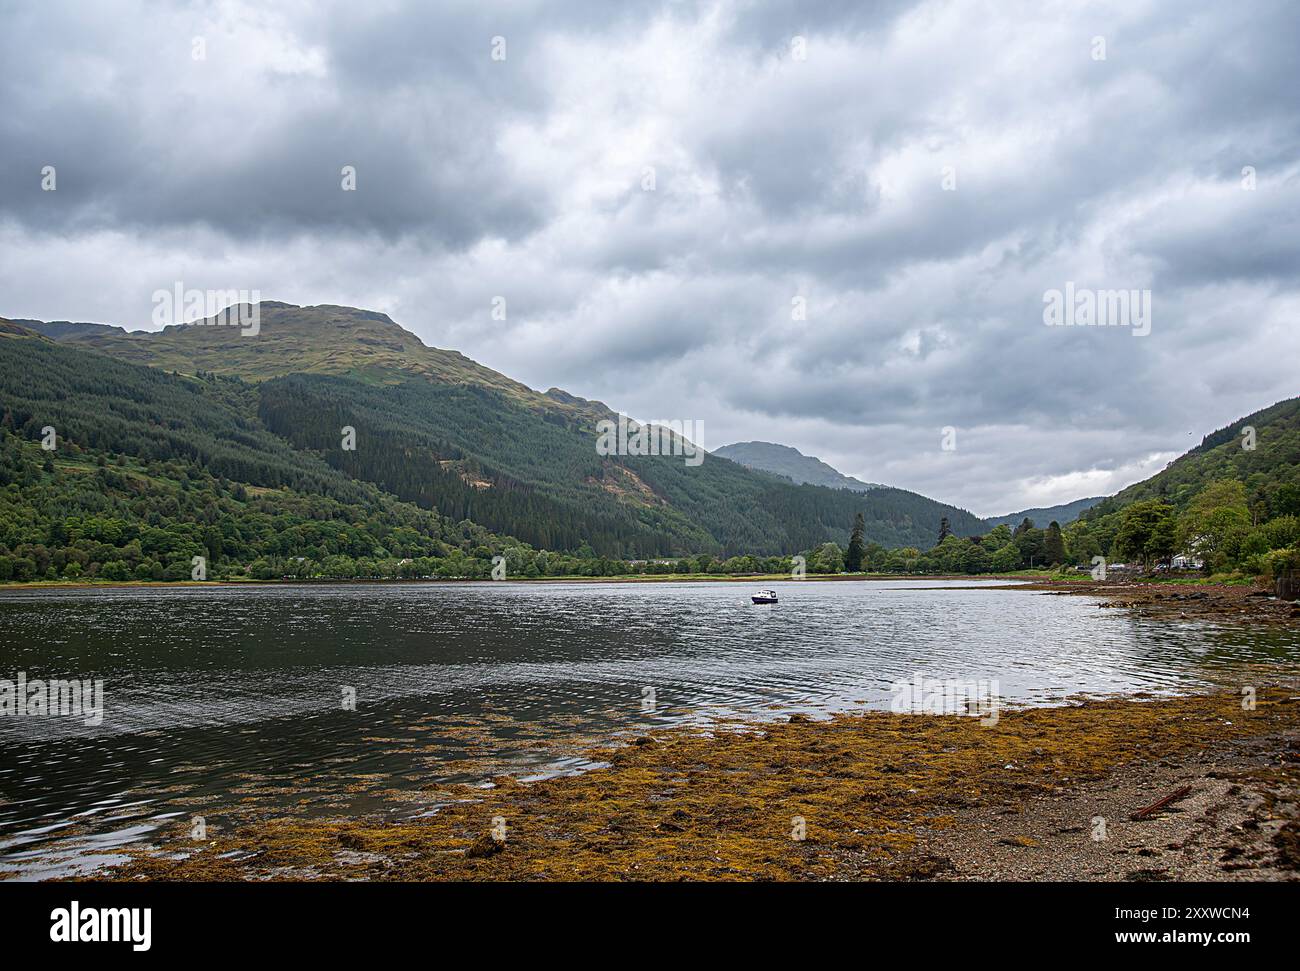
(1048, 578)
(769, 578)
(1174, 598)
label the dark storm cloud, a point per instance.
(143, 134)
(777, 172)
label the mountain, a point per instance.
(151, 469)
(1270, 467)
(362, 345)
(433, 429)
(1067, 512)
(791, 464)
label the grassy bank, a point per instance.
(870, 788)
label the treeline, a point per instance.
(1233, 503)
(75, 514)
(1219, 526)
(1229, 506)
(1261, 451)
(1218, 531)
(1000, 550)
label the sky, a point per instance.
(832, 225)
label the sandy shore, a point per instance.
(881, 796)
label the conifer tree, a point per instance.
(853, 557)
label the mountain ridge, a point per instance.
(440, 430)
(790, 463)
(1061, 514)
(297, 339)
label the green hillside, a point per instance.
(151, 470)
(473, 453)
(1265, 470)
(359, 344)
(441, 431)
(1232, 502)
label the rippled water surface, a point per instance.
(225, 701)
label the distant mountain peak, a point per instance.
(1066, 512)
(792, 464)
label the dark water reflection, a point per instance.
(228, 701)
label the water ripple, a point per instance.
(224, 700)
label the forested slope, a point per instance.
(440, 430)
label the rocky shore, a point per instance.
(1173, 601)
(1043, 794)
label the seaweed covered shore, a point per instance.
(867, 796)
(1217, 602)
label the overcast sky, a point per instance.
(650, 186)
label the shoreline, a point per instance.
(450, 581)
(1181, 599)
(1217, 602)
(1047, 579)
(882, 796)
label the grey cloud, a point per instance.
(774, 178)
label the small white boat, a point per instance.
(764, 597)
